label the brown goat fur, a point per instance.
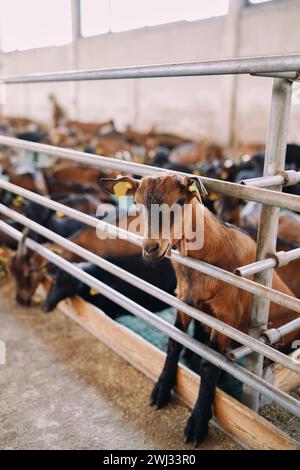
(228, 209)
(28, 270)
(225, 247)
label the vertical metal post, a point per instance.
(74, 58)
(232, 46)
(268, 226)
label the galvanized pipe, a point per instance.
(269, 218)
(203, 317)
(247, 65)
(271, 336)
(275, 335)
(281, 258)
(242, 351)
(264, 196)
(287, 178)
(283, 399)
(226, 276)
(256, 267)
(246, 284)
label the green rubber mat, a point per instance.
(191, 360)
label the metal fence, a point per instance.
(284, 70)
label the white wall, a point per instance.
(197, 107)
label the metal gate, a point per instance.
(284, 70)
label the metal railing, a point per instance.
(268, 390)
(248, 193)
(274, 66)
(284, 70)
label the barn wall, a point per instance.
(197, 107)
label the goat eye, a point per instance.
(181, 201)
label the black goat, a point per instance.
(46, 217)
(64, 285)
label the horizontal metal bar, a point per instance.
(240, 352)
(247, 65)
(264, 196)
(287, 178)
(246, 284)
(275, 335)
(226, 276)
(281, 258)
(271, 336)
(283, 399)
(256, 267)
(203, 317)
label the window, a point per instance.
(121, 15)
(34, 23)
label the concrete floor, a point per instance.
(62, 389)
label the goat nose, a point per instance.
(151, 247)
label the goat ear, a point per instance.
(195, 186)
(121, 186)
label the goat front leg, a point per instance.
(196, 428)
(161, 393)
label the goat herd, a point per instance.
(230, 230)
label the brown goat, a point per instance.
(28, 268)
(225, 247)
(109, 248)
(228, 209)
(75, 178)
(153, 139)
(90, 128)
(195, 152)
(31, 180)
(58, 113)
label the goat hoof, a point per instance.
(160, 395)
(196, 430)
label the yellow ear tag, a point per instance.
(212, 196)
(121, 188)
(59, 214)
(197, 172)
(93, 291)
(18, 201)
(193, 188)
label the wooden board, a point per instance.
(284, 378)
(243, 424)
